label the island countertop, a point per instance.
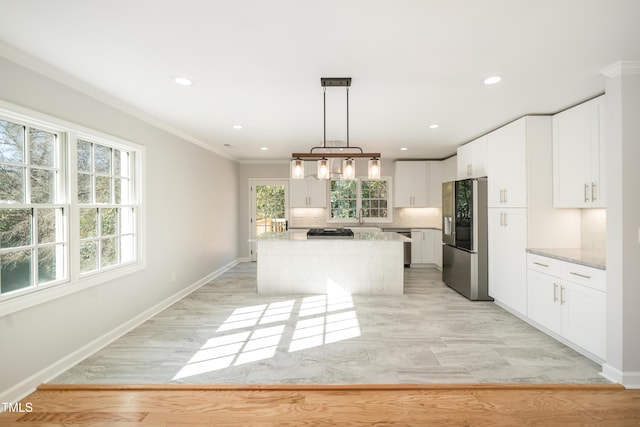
(357, 236)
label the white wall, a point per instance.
(622, 109)
(192, 230)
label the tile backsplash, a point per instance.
(402, 218)
(593, 228)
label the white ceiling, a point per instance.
(258, 63)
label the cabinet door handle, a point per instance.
(505, 195)
(584, 276)
(586, 192)
(501, 219)
(505, 220)
(593, 191)
(562, 300)
(541, 264)
(555, 292)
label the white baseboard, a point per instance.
(28, 385)
(629, 379)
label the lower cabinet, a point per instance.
(424, 246)
(568, 300)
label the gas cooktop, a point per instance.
(328, 233)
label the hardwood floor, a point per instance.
(344, 405)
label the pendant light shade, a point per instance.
(348, 168)
(374, 168)
(323, 168)
(297, 169)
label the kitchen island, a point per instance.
(369, 263)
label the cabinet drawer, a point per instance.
(545, 265)
(591, 277)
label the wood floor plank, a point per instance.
(468, 405)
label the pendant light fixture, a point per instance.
(325, 153)
(297, 168)
(348, 168)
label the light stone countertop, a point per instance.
(595, 258)
(357, 236)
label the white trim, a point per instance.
(27, 61)
(28, 385)
(621, 68)
(629, 379)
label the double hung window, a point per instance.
(69, 205)
(360, 199)
(33, 237)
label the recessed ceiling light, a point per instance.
(434, 126)
(264, 148)
(492, 80)
(404, 149)
(238, 127)
(183, 81)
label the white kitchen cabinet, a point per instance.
(418, 184)
(578, 156)
(308, 193)
(423, 246)
(569, 300)
(507, 257)
(472, 159)
(507, 161)
(436, 173)
(450, 169)
(410, 184)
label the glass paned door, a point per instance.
(270, 210)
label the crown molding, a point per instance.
(47, 70)
(621, 68)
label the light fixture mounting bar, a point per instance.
(335, 81)
(333, 155)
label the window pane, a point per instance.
(127, 249)
(108, 221)
(15, 270)
(50, 263)
(15, 227)
(109, 254)
(84, 188)
(103, 159)
(43, 186)
(117, 162)
(126, 220)
(12, 188)
(48, 225)
(103, 189)
(88, 223)
(11, 142)
(84, 156)
(42, 147)
(88, 256)
(117, 191)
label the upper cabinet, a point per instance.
(507, 161)
(418, 184)
(472, 159)
(308, 193)
(578, 156)
(450, 169)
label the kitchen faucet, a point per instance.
(360, 218)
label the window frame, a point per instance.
(74, 281)
(359, 198)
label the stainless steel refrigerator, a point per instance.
(464, 237)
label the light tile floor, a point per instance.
(224, 333)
